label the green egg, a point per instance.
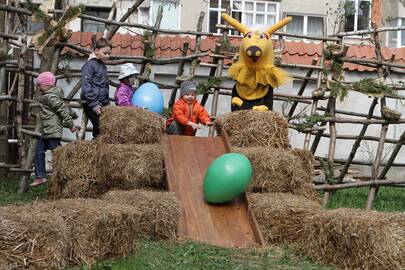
(227, 177)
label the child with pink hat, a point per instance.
(54, 115)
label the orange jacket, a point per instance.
(182, 114)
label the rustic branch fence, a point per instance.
(21, 124)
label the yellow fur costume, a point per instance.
(254, 71)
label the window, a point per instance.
(171, 13)
(396, 39)
(357, 15)
(249, 12)
(306, 25)
(93, 26)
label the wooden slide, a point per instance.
(229, 225)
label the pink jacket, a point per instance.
(123, 95)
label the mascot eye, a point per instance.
(249, 35)
(263, 35)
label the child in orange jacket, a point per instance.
(187, 112)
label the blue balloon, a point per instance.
(148, 96)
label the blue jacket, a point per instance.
(95, 86)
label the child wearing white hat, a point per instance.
(125, 90)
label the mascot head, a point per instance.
(255, 68)
(256, 48)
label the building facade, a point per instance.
(311, 17)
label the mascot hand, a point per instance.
(237, 101)
(261, 108)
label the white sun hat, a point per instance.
(127, 70)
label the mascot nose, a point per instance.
(254, 52)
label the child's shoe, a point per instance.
(38, 182)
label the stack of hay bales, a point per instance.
(287, 207)
(55, 234)
(126, 155)
(263, 138)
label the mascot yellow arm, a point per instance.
(278, 25)
(238, 26)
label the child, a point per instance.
(125, 90)
(95, 86)
(55, 114)
(187, 112)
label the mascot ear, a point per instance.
(238, 26)
(278, 25)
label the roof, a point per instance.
(294, 52)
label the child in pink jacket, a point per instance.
(125, 90)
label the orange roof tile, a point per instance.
(294, 52)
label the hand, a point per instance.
(193, 125)
(98, 111)
(208, 124)
(237, 101)
(73, 129)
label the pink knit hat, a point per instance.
(46, 78)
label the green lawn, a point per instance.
(189, 255)
(8, 192)
(388, 199)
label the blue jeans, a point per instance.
(175, 129)
(43, 145)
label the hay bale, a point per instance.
(306, 158)
(31, 239)
(278, 170)
(355, 239)
(75, 171)
(250, 128)
(99, 230)
(120, 125)
(132, 166)
(281, 215)
(89, 169)
(160, 211)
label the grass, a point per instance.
(9, 188)
(388, 199)
(189, 255)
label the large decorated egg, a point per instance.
(149, 97)
(227, 177)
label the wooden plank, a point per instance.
(186, 160)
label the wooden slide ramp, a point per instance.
(229, 225)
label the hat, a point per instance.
(127, 70)
(46, 78)
(187, 87)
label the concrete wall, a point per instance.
(190, 12)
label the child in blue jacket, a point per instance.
(95, 86)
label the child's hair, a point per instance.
(101, 43)
(187, 87)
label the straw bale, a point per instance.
(160, 211)
(120, 125)
(74, 170)
(99, 230)
(250, 128)
(30, 239)
(355, 239)
(281, 215)
(278, 170)
(132, 166)
(307, 160)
